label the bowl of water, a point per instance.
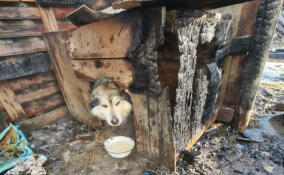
(119, 146)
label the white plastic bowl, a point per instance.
(119, 146)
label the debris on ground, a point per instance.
(32, 166)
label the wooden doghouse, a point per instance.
(182, 68)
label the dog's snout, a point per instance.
(114, 120)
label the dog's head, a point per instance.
(109, 103)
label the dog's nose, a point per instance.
(114, 121)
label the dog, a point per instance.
(109, 103)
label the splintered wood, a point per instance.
(9, 101)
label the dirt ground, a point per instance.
(256, 151)
(221, 150)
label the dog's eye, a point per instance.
(105, 106)
(117, 103)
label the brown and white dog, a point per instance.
(109, 103)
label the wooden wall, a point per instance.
(29, 92)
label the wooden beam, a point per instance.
(20, 31)
(24, 65)
(28, 13)
(48, 19)
(75, 91)
(116, 37)
(10, 103)
(22, 46)
(118, 69)
(37, 94)
(27, 82)
(19, 13)
(15, 31)
(43, 120)
(264, 28)
(243, 28)
(44, 105)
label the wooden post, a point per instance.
(153, 128)
(253, 65)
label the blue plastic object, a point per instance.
(13, 147)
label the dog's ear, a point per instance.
(93, 84)
(124, 94)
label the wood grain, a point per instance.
(74, 90)
(27, 82)
(153, 128)
(16, 31)
(116, 37)
(29, 13)
(23, 46)
(10, 103)
(44, 105)
(118, 69)
(35, 95)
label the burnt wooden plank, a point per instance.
(153, 128)
(27, 82)
(23, 65)
(14, 31)
(22, 46)
(43, 105)
(10, 103)
(116, 37)
(75, 91)
(118, 69)
(43, 120)
(264, 28)
(199, 76)
(243, 28)
(37, 94)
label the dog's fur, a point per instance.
(109, 103)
